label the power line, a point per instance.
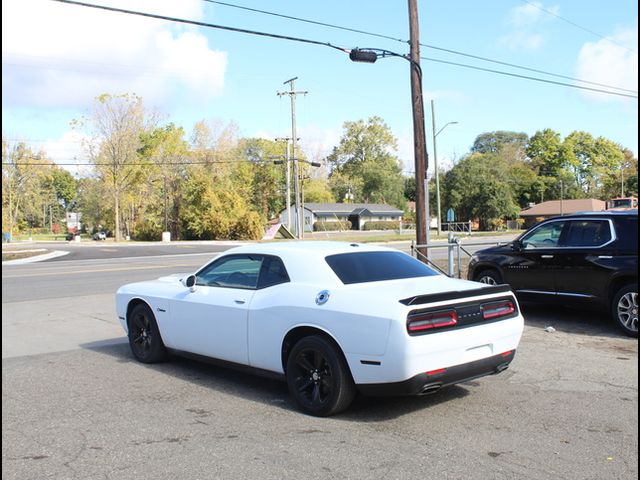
(434, 47)
(313, 22)
(127, 164)
(326, 44)
(201, 24)
(552, 82)
(576, 25)
(513, 65)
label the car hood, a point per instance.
(173, 278)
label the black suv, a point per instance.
(588, 259)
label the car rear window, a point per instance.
(627, 232)
(365, 267)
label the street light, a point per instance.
(370, 55)
(435, 162)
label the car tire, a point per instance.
(624, 309)
(318, 377)
(144, 336)
(490, 277)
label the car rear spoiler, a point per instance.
(440, 297)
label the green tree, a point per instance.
(623, 180)
(316, 190)
(545, 153)
(590, 159)
(494, 142)
(167, 153)
(364, 163)
(479, 187)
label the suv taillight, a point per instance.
(419, 322)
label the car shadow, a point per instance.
(570, 320)
(265, 390)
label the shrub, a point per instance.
(382, 225)
(249, 226)
(495, 224)
(331, 226)
(147, 230)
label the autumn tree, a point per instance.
(21, 186)
(115, 126)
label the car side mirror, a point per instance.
(516, 245)
(190, 282)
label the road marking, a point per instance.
(149, 267)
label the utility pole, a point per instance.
(288, 159)
(419, 138)
(299, 213)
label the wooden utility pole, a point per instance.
(419, 138)
(296, 172)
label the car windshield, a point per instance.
(365, 267)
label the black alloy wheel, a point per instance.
(144, 336)
(318, 377)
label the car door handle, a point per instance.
(605, 256)
(240, 301)
(546, 256)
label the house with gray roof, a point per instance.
(358, 214)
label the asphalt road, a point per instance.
(76, 405)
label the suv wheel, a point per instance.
(625, 309)
(490, 277)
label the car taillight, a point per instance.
(497, 309)
(419, 322)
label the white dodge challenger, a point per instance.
(331, 318)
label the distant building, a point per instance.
(358, 214)
(553, 208)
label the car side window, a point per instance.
(587, 233)
(233, 271)
(545, 236)
(272, 273)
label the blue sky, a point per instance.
(57, 58)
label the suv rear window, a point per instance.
(365, 267)
(587, 233)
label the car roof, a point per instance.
(600, 213)
(322, 248)
(304, 260)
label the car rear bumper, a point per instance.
(430, 382)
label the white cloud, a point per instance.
(610, 62)
(65, 55)
(530, 13)
(524, 21)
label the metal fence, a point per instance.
(460, 227)
(456, 262)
